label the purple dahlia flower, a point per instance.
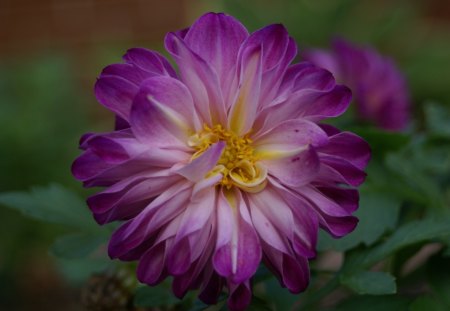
(224, 164)
(379, 87)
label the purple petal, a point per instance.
(346, 198)
(116, 94)
(239, 257)
(317, 106)
(350, 147)
(200, 79)
(199, 167)
(162, 113)
(292, 272)
(340, 170)
(212, 289)
(306, 76)
(290, 135)
(121, 124)
(323, 203)
(127, 71)
(338, 226)
(324, 60)
(161, 211)
(201, 274)
(216, 38)
(278, 50)
(150, 61)
(151, 266)
(243, 111)
(295, 170)
(192, 234)
(275, 41)
(274, 226)
(240, 296)
(306, 222)
(127, 198)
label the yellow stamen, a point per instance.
(238, 163)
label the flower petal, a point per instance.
(129, 72)
(296, 169)
(238, 251)
(149, 61)
(308, 104)
(339, 170)
(350, 147)
(240, 296)
(200, 79)
(216, 38)
(127, 198)
(158, 213)
(278, 50)
(290, 135)
(243, 111)
(150, 270)
(116, 94)
(292, 271)
(197, 169)
(274, 225)
(162, 113)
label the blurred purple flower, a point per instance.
(223, 165)
(379, 88)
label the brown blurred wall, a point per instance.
(28, 26)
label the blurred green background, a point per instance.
(52, 50)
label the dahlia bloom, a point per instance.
(378, 86)
(222, 165)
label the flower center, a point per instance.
(238, 164)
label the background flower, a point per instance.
(379, 88)
(224, 165)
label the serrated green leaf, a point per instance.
(375, 303)
(78, 245)
(156, 296)
(408, 234)
(370, 283)
(53, 204)
(377, 213)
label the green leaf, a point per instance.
(417, 167)
(78, 245)
(279, 296)
(375, 303)
(426, 303)
(382, 141)
(158, 296)
(258, 304)
(437, 119)
(370, 282)
(409, 234)
(53, 204)
(262, 274)
(377, 213)
(439, 277)
(78, 270)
